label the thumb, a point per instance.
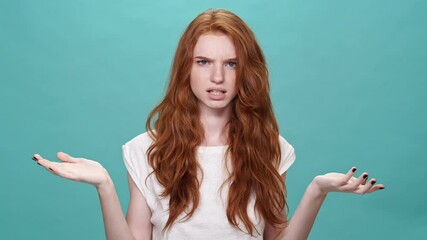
(65, 157)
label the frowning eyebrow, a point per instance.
(211, 60)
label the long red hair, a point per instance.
(253, 134)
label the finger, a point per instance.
(376, 188)
(48, 165)
(36, 158)
(356, 184)
(66, 158)
(40, 160)
(368, 186)
(365, 180)
(349, 174)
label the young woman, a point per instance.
(212, 164)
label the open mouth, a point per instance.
(216, 92)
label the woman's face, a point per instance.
(213, 72)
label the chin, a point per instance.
(221, 107)
(218, 106)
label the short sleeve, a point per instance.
(135, 159)
(133, 171)
(287, 157)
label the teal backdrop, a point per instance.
(348, 85)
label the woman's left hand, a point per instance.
(338, 182)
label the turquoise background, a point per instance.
(348, 84)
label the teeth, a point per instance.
(214, 92)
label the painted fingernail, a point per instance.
(382, 187)
(39, 164)
(353, 170)
(373, 182)
(365, 176)
(34, 158)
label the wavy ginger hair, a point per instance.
(253, 134)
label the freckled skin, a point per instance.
(214, 67)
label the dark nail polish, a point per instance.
(353, 170)
(381, 187)
(365, 176)
(39, 164)
(373, 182)
(34, 158)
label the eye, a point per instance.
(202, 62)
(232, 64)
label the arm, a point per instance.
(139, 214)
(300, 225)
(302, 221)
(91, 172)
(115, 224)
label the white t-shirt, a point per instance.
(209, 221)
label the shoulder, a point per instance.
(136, 148)
(142, 141)
(285, 145)
(135, 155)
(287, 155)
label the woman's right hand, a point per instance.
(76, 169)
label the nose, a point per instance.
(217, 75)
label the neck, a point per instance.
(214, 124)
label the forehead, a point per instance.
(214, 45)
